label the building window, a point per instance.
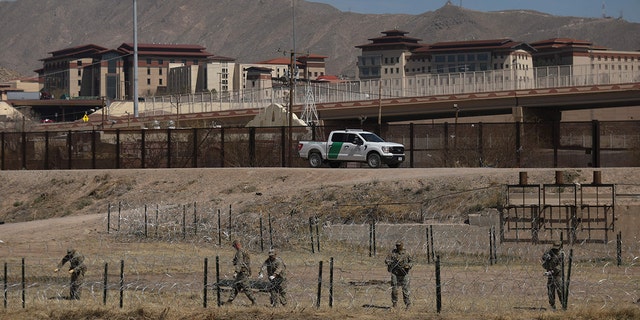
(160, 71)
(160, 61)
(386, 60)
(79, 72)
(148, 70)
(79, 83)
(160, 81)
(440, 59)
(148, 61)
(451, 58)
(149, 81)
(461, 58)
(80, 63)
(471, 57)
(483, 56)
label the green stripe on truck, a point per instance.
(334, 150)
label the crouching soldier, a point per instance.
(77, 269)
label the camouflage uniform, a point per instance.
(551, 261)
(399, 262)
(242, 264)
(77, 269)
(276, 271)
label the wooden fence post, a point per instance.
(104, 287)
(319, 284)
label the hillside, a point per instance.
(252, 31)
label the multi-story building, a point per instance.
(72, 71)
(581, 58)
(154, 63)
(91, 70)
(395, 55)
(386, 57)
(164, 69)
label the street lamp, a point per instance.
(455, 130)
(220, 89)
(513, 64)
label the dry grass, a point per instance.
(164, 277)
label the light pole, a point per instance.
(220, 89)
(455, 130)
(513, 65)
(135, 59)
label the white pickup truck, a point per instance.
(352, 146)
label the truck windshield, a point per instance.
(371, 137)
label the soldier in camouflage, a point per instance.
(242, 264)
(551, 262)
(399, 262)
(77, 269)
(276, 271)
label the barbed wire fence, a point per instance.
(156, 255)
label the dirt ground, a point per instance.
(44, 212)
(84, 196)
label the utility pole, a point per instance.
(135, 59)
(292, 86)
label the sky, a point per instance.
(578, 8)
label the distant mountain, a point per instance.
(254, 30)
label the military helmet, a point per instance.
(399, 243)
(557, 245)
(272, 252)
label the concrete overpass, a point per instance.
(527, 105)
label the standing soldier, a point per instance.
(399, 262)
(276, 271)
(242, 264)
(76, 270)
(551, 261)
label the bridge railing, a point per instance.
(408, 86)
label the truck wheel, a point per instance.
(373, 160)
(315, 160)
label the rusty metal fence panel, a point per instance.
(502, 145)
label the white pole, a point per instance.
(135, 60)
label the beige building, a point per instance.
(91, 70)
(582, 58)
(396, 55)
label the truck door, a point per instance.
(335, 145)
(353, 148)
